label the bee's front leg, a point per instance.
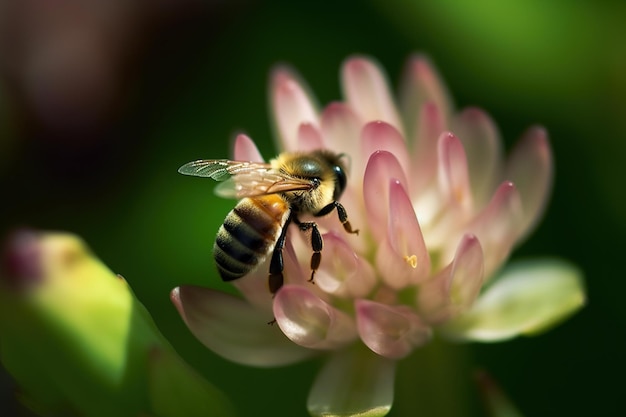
(341, 213)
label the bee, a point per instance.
(272, 196)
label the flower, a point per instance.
(439, 212)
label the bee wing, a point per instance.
(244, 179)
(220, 169)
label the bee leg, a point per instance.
(341, 213)
(275, 279)
(316, 244)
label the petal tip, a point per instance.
(447, 137)
(281, 73)
(537, 137)
(508, 185)
(357, 62)
(175, 295)
(177, 299)
(420, 62)
(473, 114)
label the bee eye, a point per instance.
(340, 181)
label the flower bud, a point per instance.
(77, 341)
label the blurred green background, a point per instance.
(101, 102)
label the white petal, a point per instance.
(354, 382)
(234, 329)
(528, 298)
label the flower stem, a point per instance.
(434, 381)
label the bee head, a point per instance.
(322, 167)
(340, 180)
(338, 166)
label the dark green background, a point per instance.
(202, 77)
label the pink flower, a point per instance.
(439, 210)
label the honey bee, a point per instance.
(272, 196)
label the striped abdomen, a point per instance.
(248, 234)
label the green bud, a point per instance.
(77, 340)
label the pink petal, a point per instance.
(422, 84)
(481, 140)
(244, 149)
(309, 138)
(381, 168)
(402, 259)
(444, 210)
(467, 273)
(390, 331)
(342, 129)
(530, 167)
(234, 329)
(311, 322)
(424, 154)
(453, 172)
(292, 105)
(381, 136)
(367, 91)
(433, 297)
(497, 226)
(343, 273)
(456, 287)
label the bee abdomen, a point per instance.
(247, 235)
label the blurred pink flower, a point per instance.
(439, 210)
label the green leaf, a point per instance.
(528, 298)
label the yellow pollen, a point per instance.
(459, 195)
(411, 260)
